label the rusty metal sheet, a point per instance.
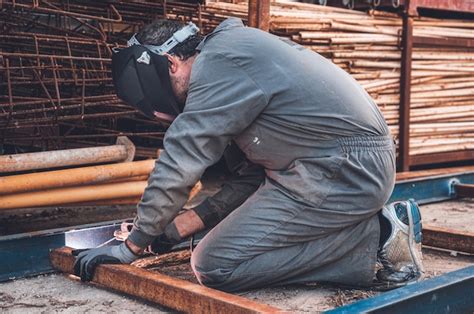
(464, 190)
(445, 238)
(174, 293)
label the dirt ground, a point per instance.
(57, 293)
(456, 214)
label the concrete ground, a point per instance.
(58, 293)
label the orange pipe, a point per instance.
(71, 177)
(119, 201)
(78, 195)
(131, 200)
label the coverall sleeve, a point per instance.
(223, 100)
(243, 183)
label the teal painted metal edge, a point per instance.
(449, 293)
(431, 189)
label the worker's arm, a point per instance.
(222, 102)
(245, 180)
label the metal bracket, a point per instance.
(431, 189)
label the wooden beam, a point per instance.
(171, 292)
(449, 239)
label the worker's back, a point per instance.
(311, 101)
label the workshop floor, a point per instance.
(59, 294)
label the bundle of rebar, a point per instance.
(56, 88)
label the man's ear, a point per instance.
(172, 62)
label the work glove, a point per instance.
(87, 260)
(162, 244)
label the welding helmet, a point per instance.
(141, 76)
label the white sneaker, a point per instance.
(401, 253)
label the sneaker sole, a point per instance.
(414, 230)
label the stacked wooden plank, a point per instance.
(57, 91)
(367, 45)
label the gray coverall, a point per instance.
(325, 148)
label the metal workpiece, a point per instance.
(449, 239)
(79, 194)
(75, 176)
(71, 195)
(171, 292)
(463, 190)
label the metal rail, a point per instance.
(448, 293)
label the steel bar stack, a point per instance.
(56, 88)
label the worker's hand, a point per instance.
(161, 245)
(87, 260)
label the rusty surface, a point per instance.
(464, 190)
(77, 176)
(62, 158)
(405, 94)
(259, 14)
(448, 239)
(174, 293)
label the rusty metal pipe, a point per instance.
(73, 195)
(72, 177)
(125, 151)
(78, 195)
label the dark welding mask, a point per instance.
(141, 76)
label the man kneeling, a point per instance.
(317, 167)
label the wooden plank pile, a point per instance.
(71, 101)
(367, 45)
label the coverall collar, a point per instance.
(229, 23)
